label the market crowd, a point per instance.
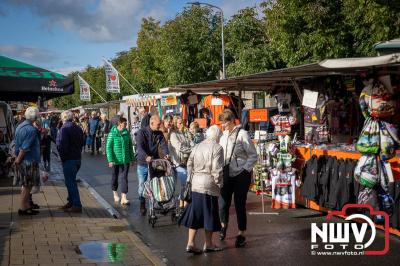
(216, 164)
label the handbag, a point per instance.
(187, 192)
(225, 169)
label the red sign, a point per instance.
(258, 115)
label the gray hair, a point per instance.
(213, 133)
(67, 116)
(32, 113)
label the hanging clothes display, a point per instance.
(316, 129)
(282, 175)
(216, 103)
(329, 181)
(189, 102)
(283, 100)
(283, 189)
(283, 124)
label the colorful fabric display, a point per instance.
(368, 142)
(376, 100)
(283, 189)
(367, 171)
(283, 124)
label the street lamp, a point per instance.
(222, 32)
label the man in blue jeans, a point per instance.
(69, 145)
(150, 144)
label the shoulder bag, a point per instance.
(225, 172)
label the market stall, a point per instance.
(320, 124)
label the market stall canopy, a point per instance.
(96, 105)
(287, 76)
(392, 46)
(23, 82)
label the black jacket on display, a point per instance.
(344, 186)
(310, 179)
(332, 184)
(395, 193)
(325, 177)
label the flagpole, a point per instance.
(121, 75)
(97, 94)
(92, 89)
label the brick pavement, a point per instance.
(52, 237)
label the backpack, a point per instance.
(376, 100)
(367, 171)
(369, 140)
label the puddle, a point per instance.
(102, 251)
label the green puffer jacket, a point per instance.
(119, 147)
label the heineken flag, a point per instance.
(112, 79)
(84, 88)
(24, 82)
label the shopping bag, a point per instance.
(387, 143)
(367, 172)
(368, 142)
(376, 99)
(162, 188)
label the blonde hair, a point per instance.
(227, 116)
(195, 125)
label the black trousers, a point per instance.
(46, 155)
(237, 186)
(124, 179)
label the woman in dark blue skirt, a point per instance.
(205, 171)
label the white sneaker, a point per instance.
(124, 200)
(116, 197)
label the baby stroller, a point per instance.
(159, 189)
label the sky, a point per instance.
(68, 35)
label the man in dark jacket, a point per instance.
(93, 131)
(69, 146)
(151, 145)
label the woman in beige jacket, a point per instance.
(205, 171)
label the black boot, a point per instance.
(222, 233)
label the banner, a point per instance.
(168, 100)
(112, 79)
(85, 89)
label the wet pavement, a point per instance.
(283, 239)
(54, 237)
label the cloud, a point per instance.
(31, 54)
(67, 70)
(97, 21)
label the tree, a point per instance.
(248, 50)
(306, 31)
(371, 21)
(191, 46)
(148, 59)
